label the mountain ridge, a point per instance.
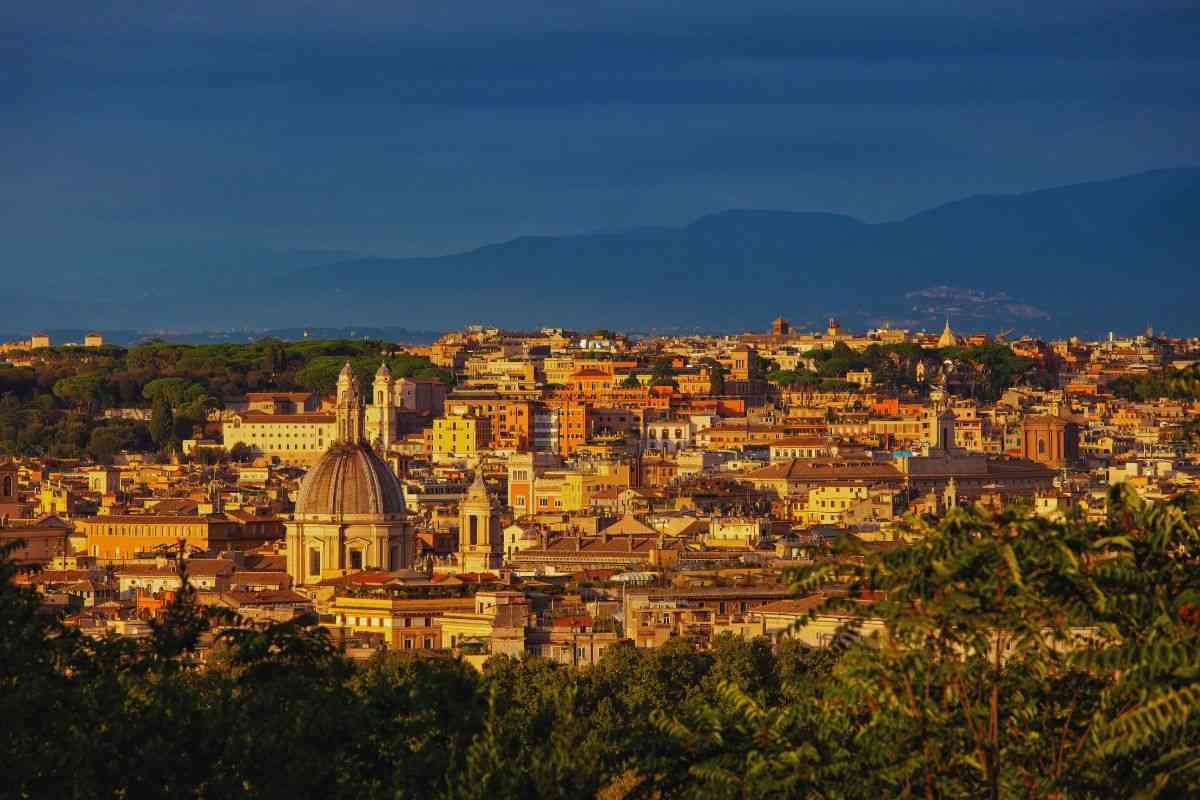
(1080, 258)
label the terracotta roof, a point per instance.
(176, 519)
(265, 562)
(195, 567)
(800, 605)
(277, 395)
(630, 524)
(826, 469)
(594, 574)
(285, 419)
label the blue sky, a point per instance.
(411, 128)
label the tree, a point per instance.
(274, 358)
(969, 684)
(108, 440)
(162, 422)
(716, 385)
(1149, 608)
(176, 391)
(88, 391)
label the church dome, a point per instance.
(349, 480)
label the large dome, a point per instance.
(349, 480)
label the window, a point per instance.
(427, 643)
(473, 525)
(356, 559)
(314, 562)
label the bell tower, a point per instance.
(480, 545)
(384, 408)
(349, 408)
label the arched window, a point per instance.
(473, 525)
(314, 563)
(8, 486)
(1041, 446)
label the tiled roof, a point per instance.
(825, 469)
(287, 419)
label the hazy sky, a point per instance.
(402, 128)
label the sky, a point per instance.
(133, 129)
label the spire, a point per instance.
(383, 371)
(479, 488)
(947, 339)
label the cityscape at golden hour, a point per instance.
(600, 400)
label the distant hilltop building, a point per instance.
(39, 340)
(93, 339)
(783, 335)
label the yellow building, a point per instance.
(560, 490)
(500, 612)
(557, 370)
(298, 437)
(827, 505)
(460, 435)
(736, 533)
(403, 624)
(125, 536)
(580, 488)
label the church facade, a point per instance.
(350, 513)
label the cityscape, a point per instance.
(572, 500)
(618, 400)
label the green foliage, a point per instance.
(57, 406)
(106, 441)
(87, 390)
(1176, 384)
(162, 422)
(992, 367)
(716, 384)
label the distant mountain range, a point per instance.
(1114, 254)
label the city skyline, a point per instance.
(631, 400)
